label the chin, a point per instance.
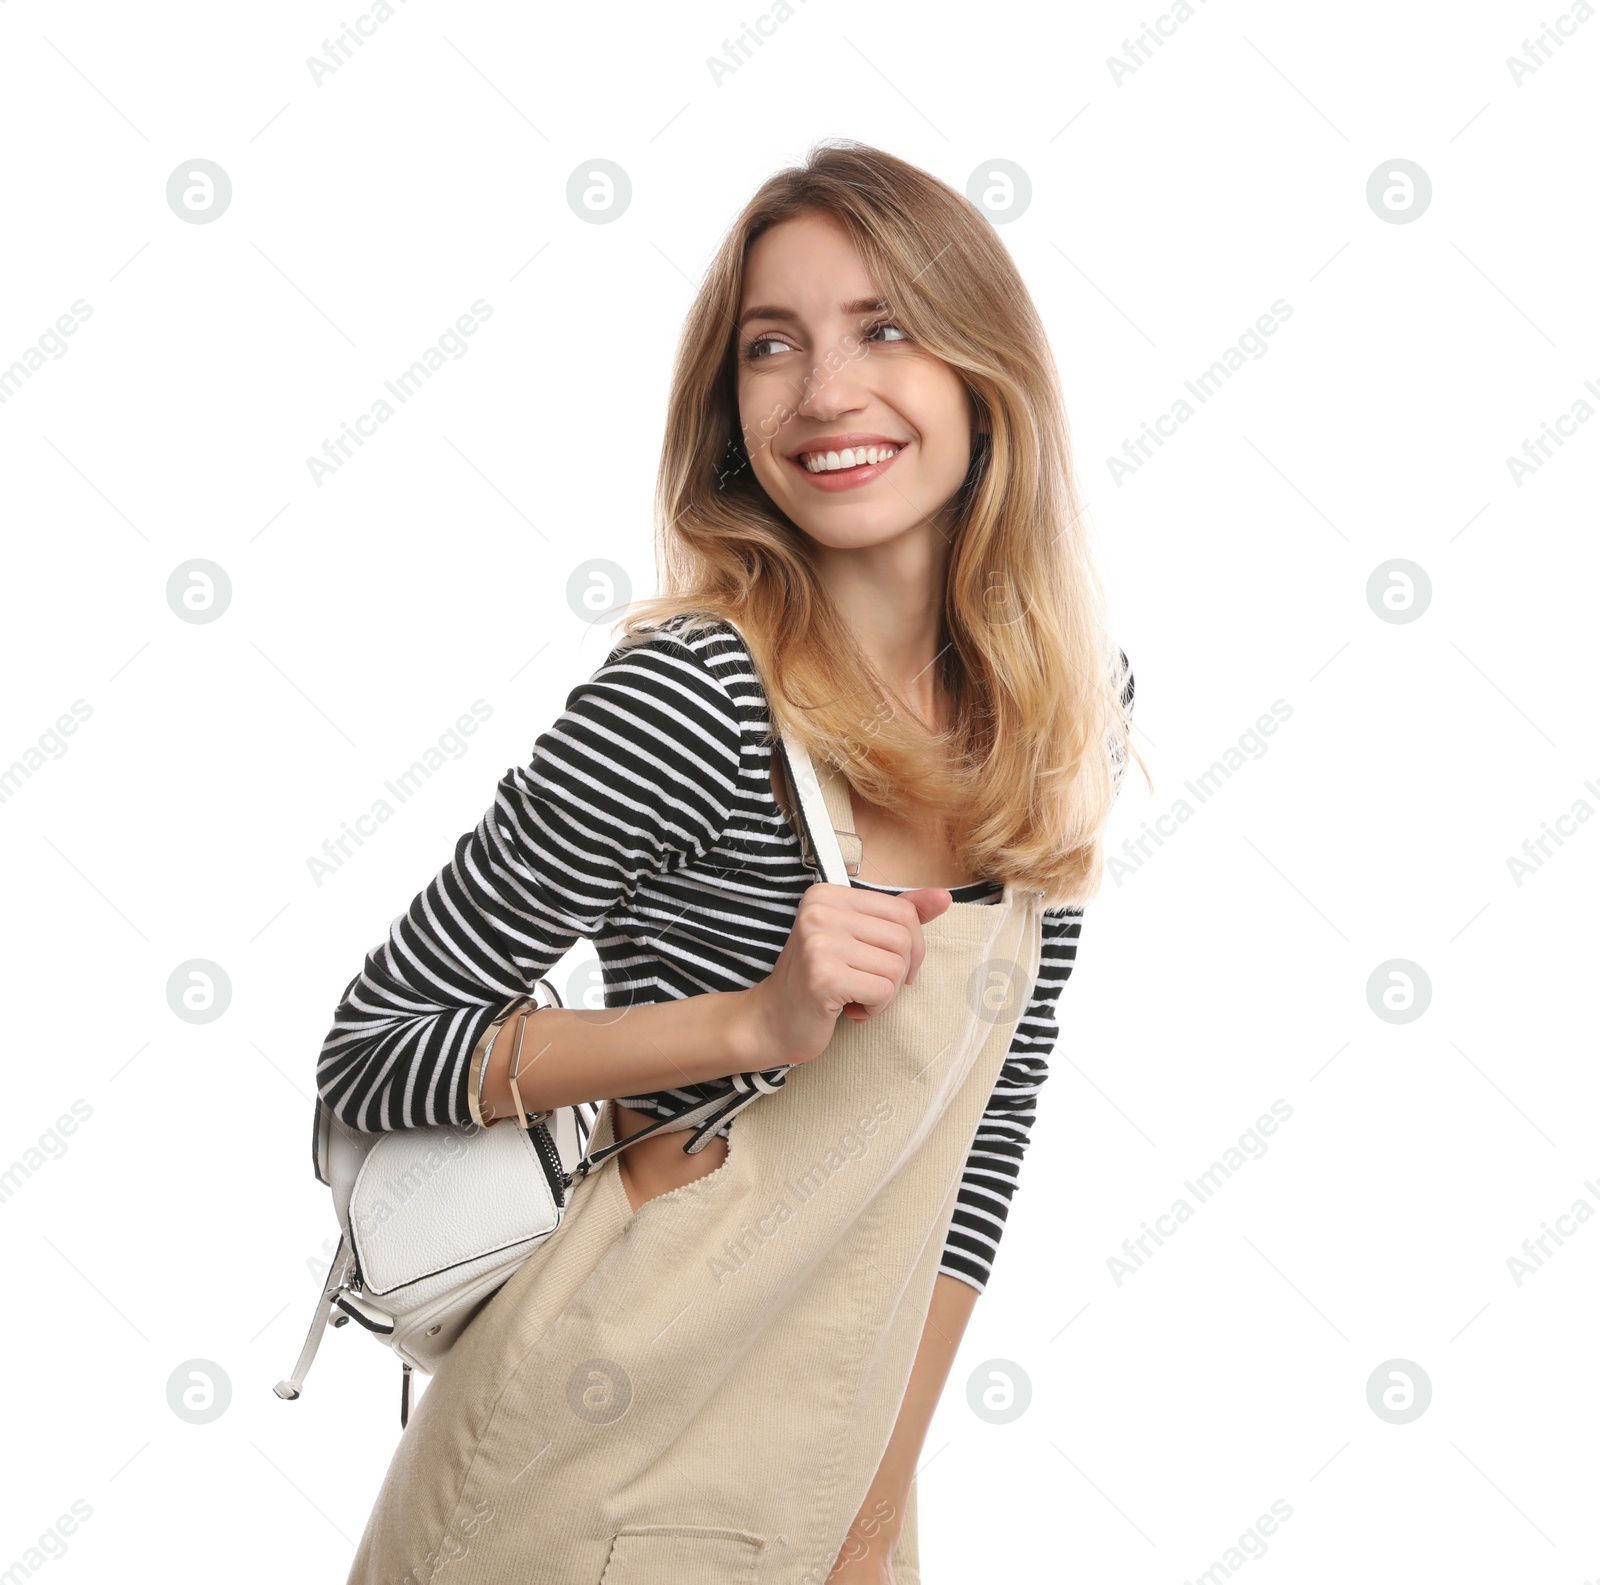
(837, 536)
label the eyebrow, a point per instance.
(863, 305)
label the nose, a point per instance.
(830, 393)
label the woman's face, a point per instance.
(823, 370)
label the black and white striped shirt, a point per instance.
(645, 822)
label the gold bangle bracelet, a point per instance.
(478, 1070)
(516, 1066)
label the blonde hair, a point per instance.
(1029, 769)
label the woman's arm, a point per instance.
(572, 1054)
(876, 1528)
(637, 777)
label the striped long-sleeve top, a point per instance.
(644, 821)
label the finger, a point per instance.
(865, 957)
(889, 935)
(863, 913)
(867, 987)
(930, 902)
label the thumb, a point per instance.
(929, 901)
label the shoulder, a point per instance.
(653, 711)
(1062, 922)
(650, 745)
(673, 665)
(708, 649)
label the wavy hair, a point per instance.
(1028, 769)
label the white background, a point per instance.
(1223, 970)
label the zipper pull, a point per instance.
(360, 1308)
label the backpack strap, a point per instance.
(338, 1272)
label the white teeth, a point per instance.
(850, 457)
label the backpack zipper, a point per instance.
(550, 1160)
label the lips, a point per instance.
(843, 441)
(845, 478)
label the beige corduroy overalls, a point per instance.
(700, 1392)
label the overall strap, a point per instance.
(836, 794)
(819, 840)
(819, 814)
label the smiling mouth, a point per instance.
(849, 468)
(845, 459)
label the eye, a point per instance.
(752, 352)
(885, 324)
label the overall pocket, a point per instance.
(668, 1554)
(661, 1169)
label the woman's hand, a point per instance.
(850, 952)
(869, 1566)
(867, 1556)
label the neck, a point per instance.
(891, 596)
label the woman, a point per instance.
(870, 535)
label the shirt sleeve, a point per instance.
(994, 1163)
(989, 1180)
(637, 777)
